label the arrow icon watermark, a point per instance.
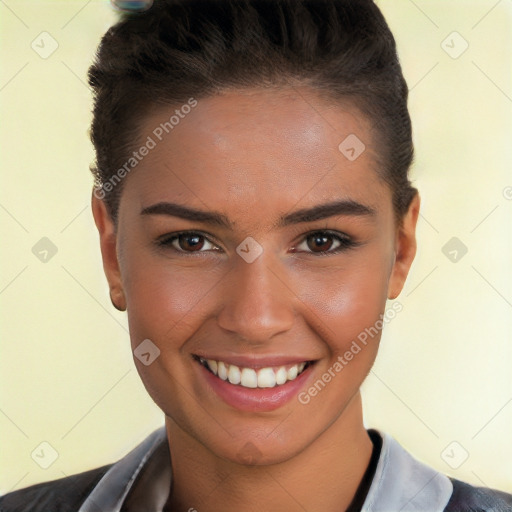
(44, 250)
(146, 352)
(249, 249)
(454, 249)
(352, 147)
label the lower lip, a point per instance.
(255, 399)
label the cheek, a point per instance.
(345, 301)
(166, 302)
(344, 307)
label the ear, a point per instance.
(405, 248)
(108, 244)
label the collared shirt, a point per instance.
(401, 483)
(141, 480)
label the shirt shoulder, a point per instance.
(402, 482)
(467, 498)
(62, 495)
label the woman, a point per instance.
(255, 215)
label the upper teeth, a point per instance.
(251, 378)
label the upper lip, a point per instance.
(254, 361)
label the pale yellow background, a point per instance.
(444, 371)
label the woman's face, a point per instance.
(291, 252)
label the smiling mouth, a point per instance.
(268, 377)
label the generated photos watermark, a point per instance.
(355, 348)
(158, 134)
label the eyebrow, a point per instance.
(319, 212)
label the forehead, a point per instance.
(259, 149)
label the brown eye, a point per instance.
(190, 242)
(187, 242)
(324, 243)
(319, 242)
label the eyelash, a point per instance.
(345, 242)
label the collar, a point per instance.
(401, 483)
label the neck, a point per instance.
(324, 476)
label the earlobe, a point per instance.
(117, 298)
(108, 245)
(405, 249)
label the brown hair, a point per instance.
(180, 49)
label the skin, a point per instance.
(254, 156)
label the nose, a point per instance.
(258, 302)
